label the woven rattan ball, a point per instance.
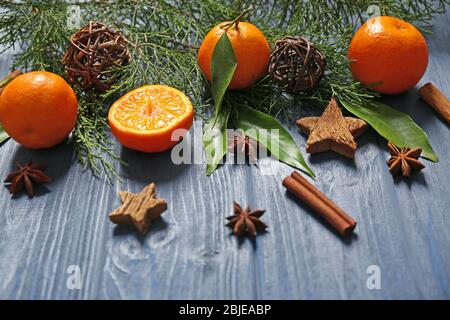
(296, 65)
(93, 55)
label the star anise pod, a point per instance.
(25, 177)
(404, 160)
(246, 221)
(242, 143)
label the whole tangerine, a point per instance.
(251, 49)
(388, 54)
(38, 109)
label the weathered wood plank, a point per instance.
(403, 227)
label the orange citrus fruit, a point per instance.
(145, 118)
(251, 49)
(389, 54)
(38, 109)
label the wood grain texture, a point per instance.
(403, 227)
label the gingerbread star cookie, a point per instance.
(139, 209)
(332, 131)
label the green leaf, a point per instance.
(215, 140)
(269, 132)
(223, 65)
(394, 126)
(3, 135)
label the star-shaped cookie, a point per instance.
(139, 209)
(332, 131)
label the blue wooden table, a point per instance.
(403, 232)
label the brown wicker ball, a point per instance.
(296, 65)
(93, 53)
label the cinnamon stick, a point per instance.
(320, 203)
(436, 99)
(8, 79)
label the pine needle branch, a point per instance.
(165, 36)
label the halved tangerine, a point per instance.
(145, 118)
